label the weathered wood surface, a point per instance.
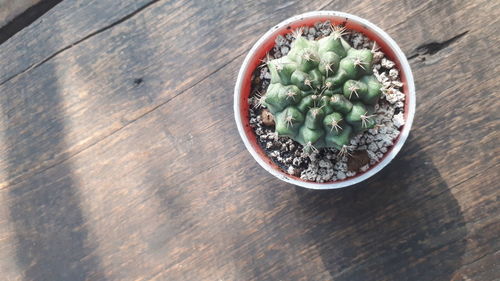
(120, 159)
(15, 15)
(9, 9)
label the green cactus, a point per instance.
(322, 92)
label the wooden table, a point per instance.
(120, 158)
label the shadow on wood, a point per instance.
(404, 224)
(52, 239)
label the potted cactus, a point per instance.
(317, 93)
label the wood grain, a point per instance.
(10, 9)
(16, 15)
(121, 160)
(59, 29)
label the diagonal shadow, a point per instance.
(403, 224)
(52, 239)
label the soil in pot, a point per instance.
(328, 164)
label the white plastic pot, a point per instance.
(266, 42)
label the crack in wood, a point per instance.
(480, 258)
(35, 65)
(434, 47)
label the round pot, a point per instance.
(266, 43)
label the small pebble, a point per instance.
(372, 147)
(267, 118)
(280, 40)
(372, 155)
(387, 63)
(341, 175)
(297, 161)
(325, 164)
(391, 98)
(397, 84)
(377, 57)
(398, 120)
(285, 50)
(394, 73)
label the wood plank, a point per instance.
(10, 9)
(225, 221)
(68, 23)
(89, 75)
(17, 15)
(172, 194)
